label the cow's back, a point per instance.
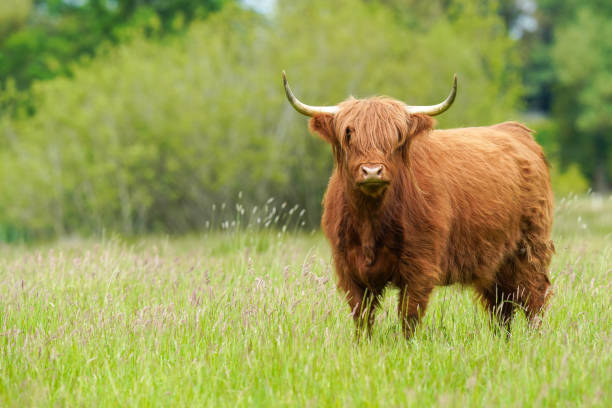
(489, 182)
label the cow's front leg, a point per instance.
(363, 303)
(413, 301)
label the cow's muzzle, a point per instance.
(372, 180)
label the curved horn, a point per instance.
(434, 110)
(303, 108)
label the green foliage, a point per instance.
(567, 74)
(565, 180)
(568, 181)
(583, 57)
(13, 14)
(539, 71)
(41, 42)
(150, 135)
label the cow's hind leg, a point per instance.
(499, 301)
(531, 264)
(521, 281)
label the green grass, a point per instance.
(254, 319)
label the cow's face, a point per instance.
(370, 139)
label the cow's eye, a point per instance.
(347, 135)
(399, 136)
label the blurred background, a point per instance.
(146, 116)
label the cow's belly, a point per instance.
(475, 258)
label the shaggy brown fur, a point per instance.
(471, 206)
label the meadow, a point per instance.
(250, 316)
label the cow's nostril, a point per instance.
(372, 172)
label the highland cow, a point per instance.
(415, 208)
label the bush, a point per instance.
(568, 181)
(150, 134)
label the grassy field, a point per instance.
(254, 319)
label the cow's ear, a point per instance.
(323, 125)
(419, 123)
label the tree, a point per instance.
(42, 42)
(149, 135)
(558, 86)
(582, 54)
(13, 14)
